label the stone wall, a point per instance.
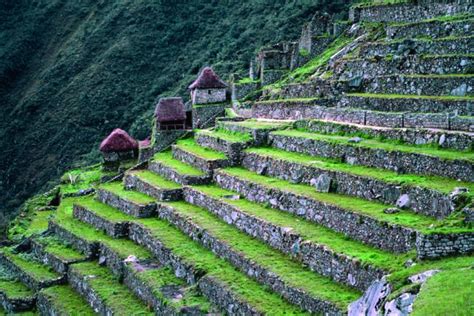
(422, 200)
(408, 104)
(205, 96)
(433, 29)
(204, 116)
(89, 249)
(173, 175)
(399, 161)
(282, 109)
(202, 164)
(444, 139)
(358, 226)
(433, 246)
(115, 229)
(410, 12)
(133, 182)
(319, 258)
(13, 305)
(164, 139)
(59, 265)
(252, 269)
(240, 90)
(231, 149)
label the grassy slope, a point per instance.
(72, 71)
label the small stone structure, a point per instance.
(170, 114)
(208, 96)
(118, 147)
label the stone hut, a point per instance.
(170, 114)
(119, 146)
(208, 88)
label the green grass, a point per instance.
(166, 159)
(81, 179)
(117, 188)
(385, 145)
(293, 100)
(247, 81)
(66, 301)
(455, 287)
(156, 279)
(27, 264)
(374, 3)
(211, 104)
(123, 247)
(372, 209)
(115, 295)
(232, 137)
(155, 180)
(194, 254)
(191, 146)
(13, 289)
(310, 231)
(444, 185)
(443, 76)
(443, 18)
(291, 272)
(409, 96)
(58, 248)
(259, 124)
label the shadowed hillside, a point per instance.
(71, 71)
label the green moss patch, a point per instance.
(311, 231)
(190, 145)
(58, 248)
(81, 179)
(440, 184)
(166, 159)
(114, 295)
(260, 124)
(118, 189)
(66, 301)
(155, 180)
(385, 145)
(289, 101)
(191, 252)
(372, 209)
(13, 289)
(232, 137)
(28, 265)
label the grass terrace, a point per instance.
(190, 145)
(28, 264)
(117, 188)
(232, 137)
(372, 209)
(66, 301)
(385, 145)
(114, 295)
(445, 185)
(260, 124)
(14, 289)
(408, 96)
(310, 231)
(289, 101)
(56, 247)
(154, 179)
(166, 159)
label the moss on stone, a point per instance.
(28, 265)
(66, 301)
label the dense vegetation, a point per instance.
(71, 71)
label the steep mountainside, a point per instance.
(71, 71)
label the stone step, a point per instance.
(228, 143)
(62, 300)
(431, 196)
(28, 270)
(366, 221)
(422, 160)
(441, 46)
(328, 253)
(268, 266)
(204, 159)
(435, 28)
(102, 291)
(172, 169)
(129, 201)
(149, 183)
(434, 85)
(53, 252)
(408, 103)
(93, 242)
(284, 109)
(346, 69)
(258, 129)
(406, 11)
(455, 140)
(231, 290)
(15, 297)
(133, 264)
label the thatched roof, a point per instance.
(170, 109)
(208, 79)
(118, 141)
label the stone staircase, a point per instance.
(297, 210)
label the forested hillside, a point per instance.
(71, 71)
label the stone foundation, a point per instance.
(173, 175)
(133, 182)
(357, 226)
(404, 162)
(204, 116)
(320, 259)
(433, 29)
(422, 200)
(434, 246)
